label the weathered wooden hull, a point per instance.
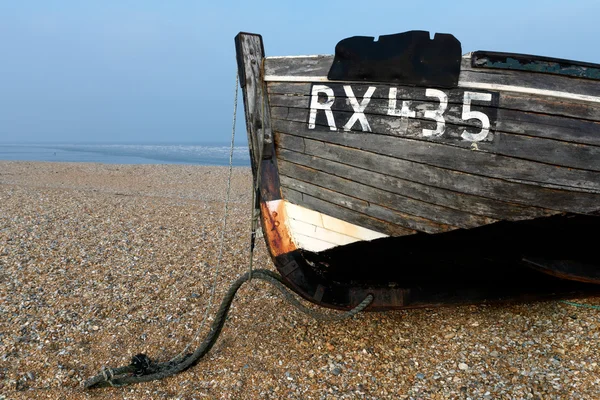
(417, 194)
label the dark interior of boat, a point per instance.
(501, 260)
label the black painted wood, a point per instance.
(490, 188)
(378, 176)
(535, 80)
(506, 120)
(319, 66)
(415, 214)
(454, 158)
(565, 154)
(531, 103)
(532, 63)
(410, 57)
(355, 154)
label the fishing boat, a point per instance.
(401, 168)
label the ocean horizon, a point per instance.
(214, 154)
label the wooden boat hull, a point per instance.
(415, 193)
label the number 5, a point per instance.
(468, 114)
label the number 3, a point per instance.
(437, 115)
(468, 114)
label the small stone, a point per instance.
(420, 376)
(494, 353)
(30, 376)
(449, 335)
(311, 373)
(463, 366)
(336, 371)
(95, 328)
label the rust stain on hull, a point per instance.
(275, 227)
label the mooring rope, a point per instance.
(224, 224)
(581, 305)
(143, 369)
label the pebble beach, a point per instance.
(99, 262)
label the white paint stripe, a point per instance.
(337, 225)
(312, 244)
(472, 85)
(290, 78)
(315, 232)
(309, 56)
(521, 89)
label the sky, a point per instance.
(164, 71)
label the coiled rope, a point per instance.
(143, 369)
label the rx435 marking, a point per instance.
(404, 111)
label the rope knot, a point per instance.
(141, 363)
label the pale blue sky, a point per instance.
(163, 71)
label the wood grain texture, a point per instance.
(529, 123)
(415, 214)
(315, 231)
(525, 147)
(541, 156)
(529, 79)
(319, 67)
(379, 177)
(454, 158)
(258, 123)
(509, 101)
(436, 177)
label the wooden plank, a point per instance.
(388, 205)
(250, 54)
(454, 158)
(372, 210)
(334, 238)
(549, 126)
(379, 176)
(552, 106)
(507, 121)
(415, 214)
(298, 66)
(535, 80)
(523, 147)
(539, 64)
(283, 69)
(513, 101)
(320, 220)
(456, 181)
(342, 207)
(311, 244)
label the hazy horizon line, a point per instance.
(128, 142)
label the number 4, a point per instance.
(468, 114)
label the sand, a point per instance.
(101, 262)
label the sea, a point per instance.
(191, 154)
